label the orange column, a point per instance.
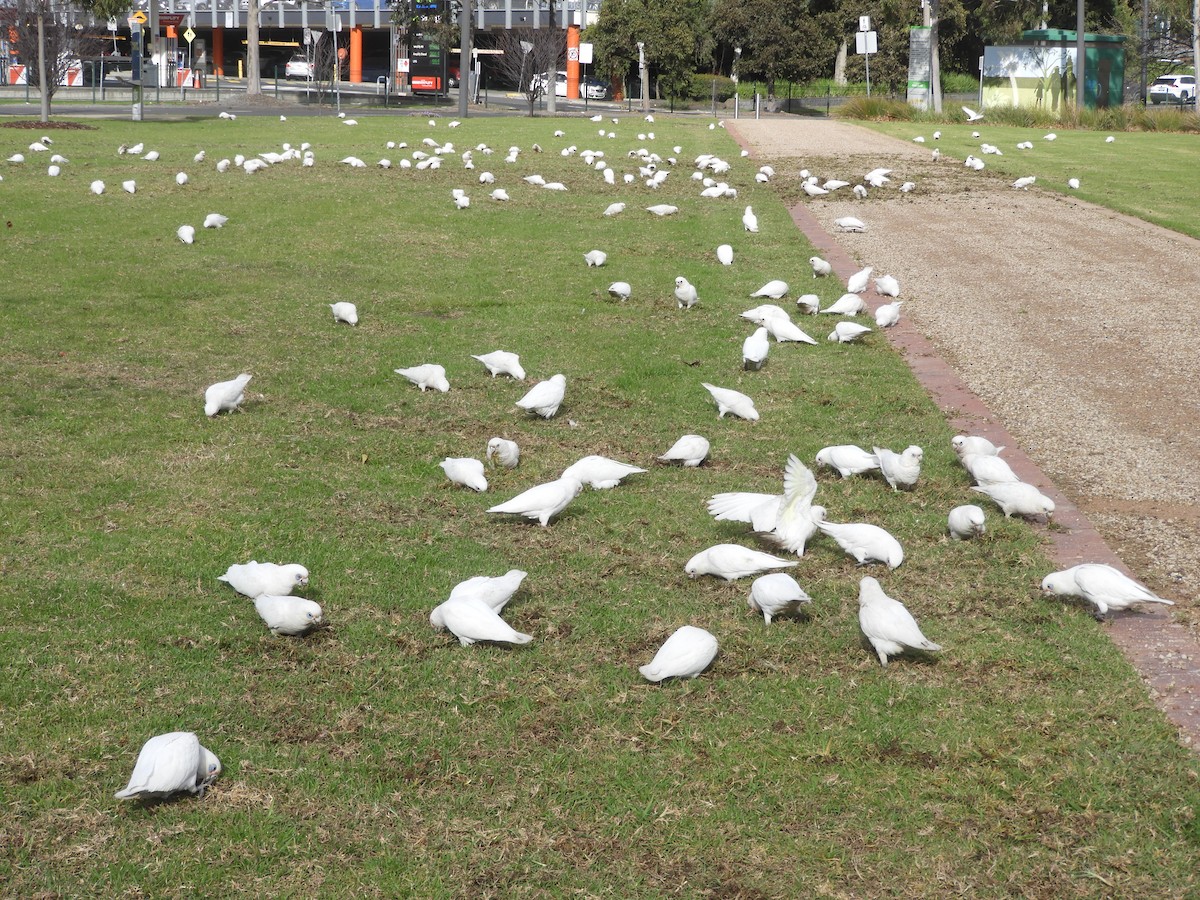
(572, 62)
(218, 51)
(356, 55)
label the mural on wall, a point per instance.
(1038, 77)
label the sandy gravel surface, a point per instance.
(1073, 323)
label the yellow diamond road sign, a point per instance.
(189, 35)
(140, 17)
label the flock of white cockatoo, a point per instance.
(787, 521)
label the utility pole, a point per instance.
(930, 21)
(464, 56)
(1080, 56)
(644, 75)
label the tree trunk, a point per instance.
(1195, 46)
(839, 64)
(43, 82)
(935, 62)
(253, 82)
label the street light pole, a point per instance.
(41, 34)
(643, 74)
(733, 76)
(464, 56)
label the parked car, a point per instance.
(299, 66)
(560, 83)
(452, 75)
(594, 89)
(1173, 89)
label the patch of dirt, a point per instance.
(1060, 316)
(53, 125)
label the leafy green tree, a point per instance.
(676, 35)
(780, 39)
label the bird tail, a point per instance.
(519, 638)
(649, 673)
(931, 646)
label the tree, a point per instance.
(65, 38)
(779, 39)
(676, 35)
(527, 53)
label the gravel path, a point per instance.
(1062, 318)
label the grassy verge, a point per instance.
(377, 757)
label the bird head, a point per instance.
(210, 767)
(1059, 584)
(868, 590)
(299, 573)
(959, 443)
(696, 565)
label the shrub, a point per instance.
(879, 108)
(702, 87)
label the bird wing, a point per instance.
(167, 762)
(743, 506)
(1114, 587)
(889, 619)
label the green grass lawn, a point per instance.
(1152, 176)
(377, 757)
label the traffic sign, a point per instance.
(139, 17)
(189, 35)
(171, 19)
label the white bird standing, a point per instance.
(426, 375)
(847, 459)
(499, 194)
(750, 220)
(495, 591)
(777, 594)
(733, 402)
(988, 470)
(595, 258)
(344, 311)
(887, 286)
(186, 233)
(888, 314)
(857, 283)
(253, 579)
(848, 332)
(725, 255)
(820, 267)
(733, 561)
(965, 522)
(755, 349)
(685, 654)
(887, 623)
(900, 470)
(787, 519)
(809, 304)
(542, 502)
(690, 450)
(1024, 182)
(1019, 499)
(685, 293)
(470, 619)
(620, 289)
(865, 542)
(169, 764)
(775, 290)
(599, 472)
(466, 471)
(966, 445)
(215, 220)
(129, 187)
(224, 396)
(1102, 586)
(614, 209)
(662, 209)
(288, 615)
(181, 178)
(97, 188)
(846, 305)
(545, 397)
(1073, 183)
(506, 452)
(850, 223)
(502, 362)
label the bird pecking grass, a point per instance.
(378, 757)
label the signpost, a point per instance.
(135, 54)
(866, 42)
(920, 65)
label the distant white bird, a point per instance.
(186, 233)
(223, 165)
(732, 402)
(1103, 586)
(835, 184)
(1073, 183)
(136, 149)
(506, 453)
(599, 472)
(888, 314)
(495, 591)
(778, 323)
(820, 267)
(17, 158)
(861, 540)
(988, 469)
(170, 764)
(97, 188)
(850, 223)
(426, 375)
(54, 171)
(777, 594)
(502, 362)
(1050, 137)
(846, 305)
(685, 293)
(595, 258)
(554, 186)
(900, 470)
(354, 162)
(199, 157)
(1109, 139)
(1019, 499)
(344, 311)
(847, 332)
(471, 619)
(215, 220)
(465, 471)
(685, 654)
(967, 445)
(663, 209)
(860, 191)
(1024, 182)
(775, 290)
(787, 519)
(847, 459)
(887, 286)
(614, 209)
(225, 395)
(462, 202)
(542, 502)
(690, 450)
(965, 522)
(857, 283)
(972, 116)
(129, 186)
(750, 220)
(499, 194)
(809, 304)
(733, 561)
(887, 623)
(813, 190)
(181, 178)
(253, 579)
(545, 397)
(920, 139)
(152, 156)
(725, 255)
(755, 349)
(221, 115)
(620, 290)
(288, 615)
